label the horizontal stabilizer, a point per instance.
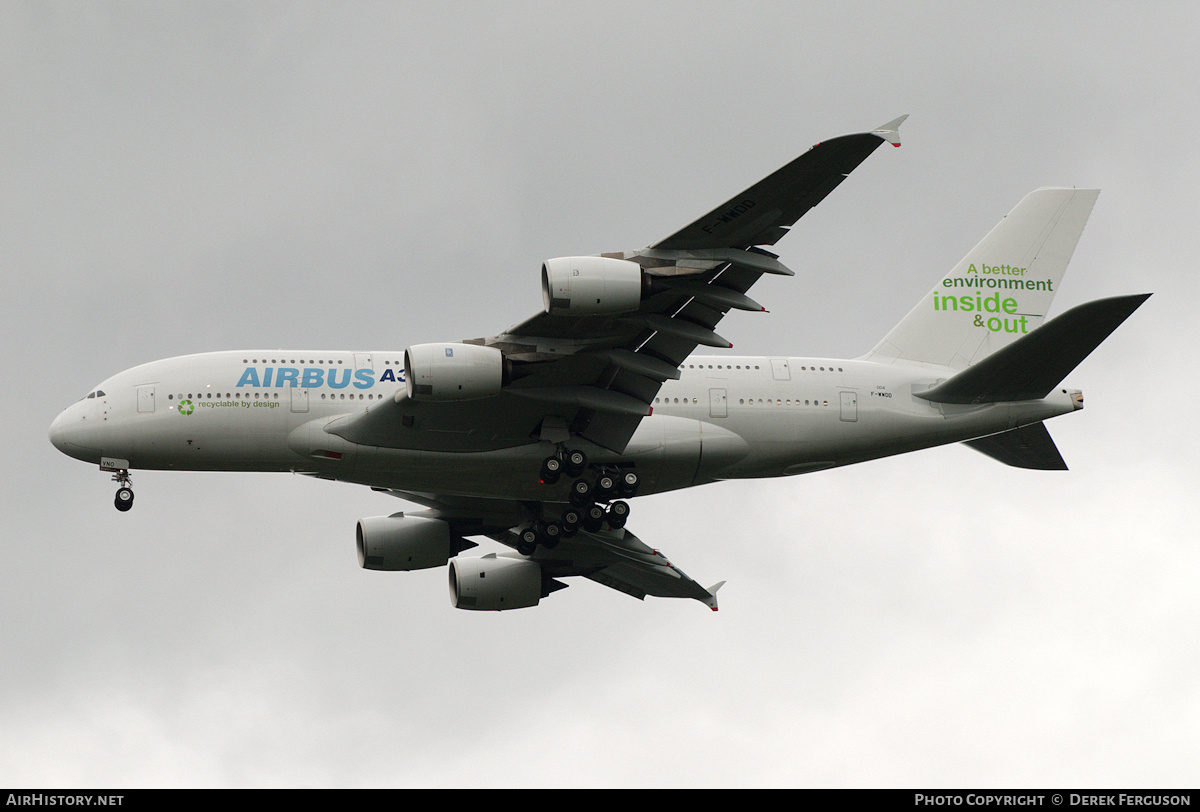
(1027, 447)
(1031, 366)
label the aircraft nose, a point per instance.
(58, 432)
(69, 435)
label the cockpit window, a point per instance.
(99, 393)
(91, 395)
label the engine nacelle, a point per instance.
(492, 583)
(589, 286)
(453, 371)
(400, 542)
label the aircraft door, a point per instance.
(299, 399)
(717, 403)
(849, 407)
(780, 369)
(145, 398)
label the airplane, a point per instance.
(538, 437)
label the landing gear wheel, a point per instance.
(605, 485)
(617, 514)
(629, 483)
(581, 492)
(124, 499)
(576, 462)
(570, 522)
(527, 541)
(593, 518)
(549, 534)
(551, 470)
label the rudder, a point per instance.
(1000, 290)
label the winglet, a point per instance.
(711, 600)
(890, 132)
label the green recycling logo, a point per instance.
(186, 407)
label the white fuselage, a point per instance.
(726, 417)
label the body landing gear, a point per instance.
(124, 497)
(595, 498)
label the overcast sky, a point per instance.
(186, 177)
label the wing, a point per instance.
(594, 376)
(579, 370)
(764, 212)
(615, 558)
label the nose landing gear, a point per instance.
(124, 497)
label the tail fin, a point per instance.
(999, 291)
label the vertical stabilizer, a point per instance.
(999, 291)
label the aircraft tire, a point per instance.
(551, 470)
(124, 499)
(549, 534)
(576, 462)
(629, 483)
(617, 514)
(593, 518)
(581, 492)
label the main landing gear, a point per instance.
(572, 463)
(593, 498)
(124, 497)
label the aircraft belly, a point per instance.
(668, 452)
(881, 429)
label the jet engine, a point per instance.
(590, 286)
(448, 372)
(400, 542)
(492, 583)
